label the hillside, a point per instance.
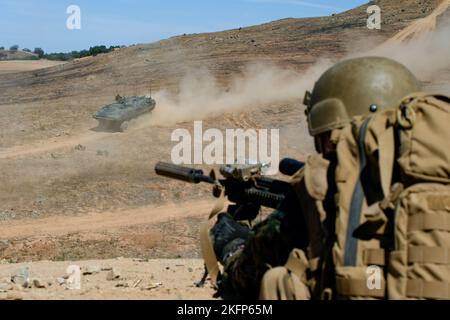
(16, 55)
(294, 43)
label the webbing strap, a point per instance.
(428, 290)
(359, 288)
(374, 257)
(297, 263)
(438, 221)
(436, 255)
(206, 246)
(351, 243)
(293, 285)
(386, 155)
(281, 284)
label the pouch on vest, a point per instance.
(393, 179)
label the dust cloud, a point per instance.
(200, 95)
(426, 56)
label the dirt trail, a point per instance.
(420, 27)
(52, 144)
(99, 221)
(66, 142)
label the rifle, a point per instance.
(243, 185)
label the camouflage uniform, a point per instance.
(273, 239)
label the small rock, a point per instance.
(14, 295)
(22, 277)
(61, 281)
(5, 280)
(5, 286)
(17, 287)
(80, 147)
(37, 283)
(122, 285)
(102, 153)
(140, 260)
(92, 270)
(73, 283)
(106, 268)
(152, 286)
(167, 268)
(114, 274)
(190, 270)
(136, 283)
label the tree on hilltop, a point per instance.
(39, 52)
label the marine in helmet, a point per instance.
(350, 89)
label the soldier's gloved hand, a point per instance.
(228, 236)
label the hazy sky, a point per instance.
(42, 23)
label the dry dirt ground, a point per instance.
(70, 193)
(19, 66)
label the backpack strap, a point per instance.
(351, 243)
(422, 289)
(438, 221)
(206, 246)
(386, 158)
(358, 287)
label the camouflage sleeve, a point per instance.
(269, 244)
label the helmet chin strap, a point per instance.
(326, 142)
(318, 144)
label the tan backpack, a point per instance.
(393, 201)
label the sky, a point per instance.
(42, 23)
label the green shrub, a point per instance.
(39, 52)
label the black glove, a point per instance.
(228, 236)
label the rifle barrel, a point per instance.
(181, 173)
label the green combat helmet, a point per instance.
(356, 87)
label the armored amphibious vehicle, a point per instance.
(116, 116)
